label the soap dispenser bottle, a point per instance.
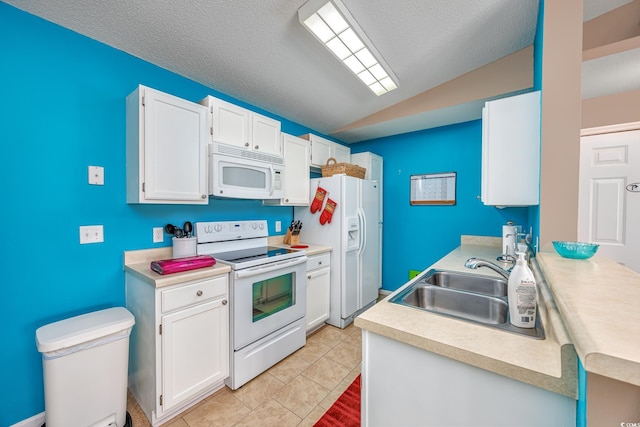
(522, 294)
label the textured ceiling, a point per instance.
(257, 51)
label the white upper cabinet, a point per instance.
(236, 126)
(322, 149)
(341, 153)
(373, 164)
(511, 151)
(296, 172)
(166, 149)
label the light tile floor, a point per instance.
(295, 392)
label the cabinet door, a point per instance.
(296, 171)
(173, 126)
(318, 286)
(320, 150)
(231, 124)
(341, 153)
(266, 135)
(195, 351)
(511, 151)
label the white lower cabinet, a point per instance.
(180, 345)
(403, 385)
(318, 288)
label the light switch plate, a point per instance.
(91, 234)
(96, 175)
(278, 226)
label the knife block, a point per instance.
(291, 239)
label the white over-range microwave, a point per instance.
(242, 174)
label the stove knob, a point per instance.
(218, 227)
(261, 226)
(254, 225)
(207, 229)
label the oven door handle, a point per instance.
(271, 267)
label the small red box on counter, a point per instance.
(176, 265)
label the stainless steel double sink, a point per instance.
(470, 297)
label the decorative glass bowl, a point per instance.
(575, 250)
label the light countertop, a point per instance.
(138, 264)
(310, 251)
(598, 300)
(550, 363)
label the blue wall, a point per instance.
(63, 109)
(414, 237)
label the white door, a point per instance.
(609, 195)
(320, 150)
(195, 351)
(341, 153)
(318, 294)
(369, 256)
(175, 149)
(296, 167)
(350, 243)
(266, 135)
(230, 124)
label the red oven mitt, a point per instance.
(316, 205)
(327, 213)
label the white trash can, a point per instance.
(85, 361)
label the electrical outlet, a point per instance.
(91, 234)
(158, 234)
(278, 226)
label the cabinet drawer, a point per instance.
(194, 293)
(318, 261)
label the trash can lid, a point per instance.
(84, 328)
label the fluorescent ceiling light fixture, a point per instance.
(332, 24)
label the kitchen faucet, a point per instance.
(474, 263)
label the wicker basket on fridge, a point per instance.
(333, 168)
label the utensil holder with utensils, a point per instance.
(184, 246)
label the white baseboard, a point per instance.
(35, 421)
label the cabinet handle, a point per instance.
(199, 293)
(203, 196)
(246, 144)
(224, 302)
(319, 262)
(256, 147)
(308, 276)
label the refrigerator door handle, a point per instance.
(363, 235)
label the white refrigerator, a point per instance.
(353, 235)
